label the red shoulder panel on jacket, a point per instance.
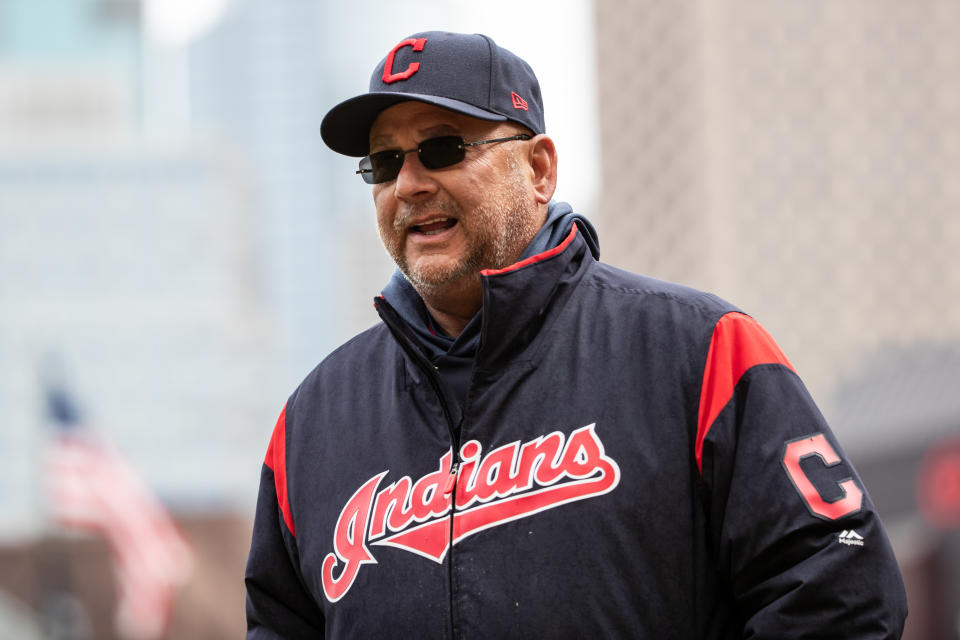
(276, 459)
(738, 344)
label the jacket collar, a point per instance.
(516, 302)
(520, 300)
(409, 306)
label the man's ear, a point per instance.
(543, 162)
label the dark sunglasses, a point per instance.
(435, 153)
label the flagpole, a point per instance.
(62, 613)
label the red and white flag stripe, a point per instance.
(91, 487)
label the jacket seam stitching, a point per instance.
(695, 303)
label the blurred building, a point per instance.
(799, 159)
(63, 587)
(134, 263)
(131, 261)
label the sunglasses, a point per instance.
(435, 153)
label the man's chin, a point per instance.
(436, 275)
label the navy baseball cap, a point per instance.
(468, 74)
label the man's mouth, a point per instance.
(434, 226)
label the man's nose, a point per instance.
(414, 180)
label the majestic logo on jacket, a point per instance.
(511, 482)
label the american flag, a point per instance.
(91, 487)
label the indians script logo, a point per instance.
(508, 483)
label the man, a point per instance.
(533, 443)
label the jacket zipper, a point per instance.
(450, 486)
(386, 311)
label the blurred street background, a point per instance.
(178, 249)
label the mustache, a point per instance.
(420, 209)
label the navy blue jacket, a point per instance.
(633, 459)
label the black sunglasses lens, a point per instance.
(435, 153)
(366, 170)
(444, 151)
(383, 166)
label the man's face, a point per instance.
(443, 226)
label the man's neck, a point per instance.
(453, 310)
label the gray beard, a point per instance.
(508, 222)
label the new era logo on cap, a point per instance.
(468, 74)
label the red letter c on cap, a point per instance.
(388, 74)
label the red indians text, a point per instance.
(508, 483)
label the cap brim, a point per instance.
(346, 127)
